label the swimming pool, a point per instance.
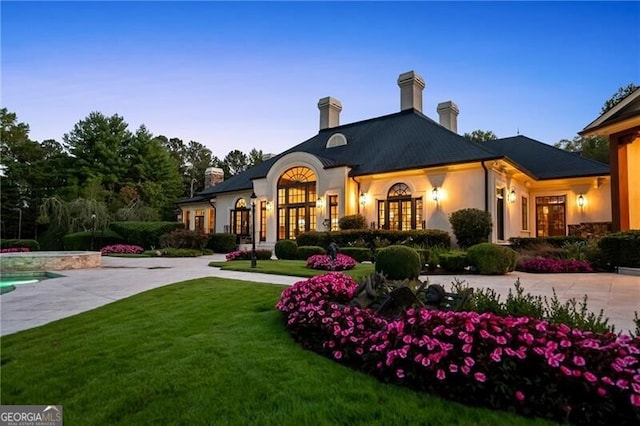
(8, 281)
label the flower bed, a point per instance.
(246, 255)
(512, 363)
(121, 249)
(543, 265)
(15, 250)
(324, 262)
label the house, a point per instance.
(621, 124)
(405, 171)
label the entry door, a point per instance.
(297, 221)
(550, 216)
(500, 213)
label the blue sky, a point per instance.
(249, 74)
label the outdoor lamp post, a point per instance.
(93, 228)
(253, 230)
(19, 210)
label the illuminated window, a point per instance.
(263, 221)
(240, 218)
(333, 212)
(525, 214)
(550, 216)
(296, 202)
(400, 211)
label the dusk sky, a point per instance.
(249, 74)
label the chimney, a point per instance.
(411, 87)
(329, 112)
(213, 176)
(448, 112)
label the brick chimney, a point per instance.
(448, 112)
(411, 86)
(213, 176)
(329, 112)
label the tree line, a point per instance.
(100, 168)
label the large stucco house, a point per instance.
(404, 171)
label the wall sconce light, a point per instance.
(581, 200)
(319, 203)
(363, 199)
(436, 194)
(512, 196)
(269, 206)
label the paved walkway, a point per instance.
(32, 305)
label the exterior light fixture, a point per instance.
(512, 196)
(581, 200)
(269, 206)
(363, 199)
(319, 203)
(436, 194)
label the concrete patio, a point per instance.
(32, 305)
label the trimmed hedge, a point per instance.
(471, 226)
(286, 250)
(360, 254)
(418, 237)
(82, 240)
(32, 245)
(621, 249)
(354, 221)
(144, 234)
(222, 243)
(454, 261)
(525, 243)
(398, 262)
(304, 252)
(492, 259)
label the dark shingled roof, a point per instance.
(410, 140)
(545, 161)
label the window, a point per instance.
(550, 216)
(263, 221)
(333, 212)
(399, 210)
(199, 220)
(212, 220)
(240, 218)
(296, 202)
(525, 214)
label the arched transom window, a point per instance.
(240, 218)
(400, 210)
(296, 202)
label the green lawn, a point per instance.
(206, 351)
(296, 268)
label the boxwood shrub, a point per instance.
(304, 252)
(454, 261)
(32, 245)
(354, 221)
(419, 237)
(398, 262)
(621, 249)
(471, 226)
(360, 254)
(492, 259)
(144, 234)
(286, 250)
(82, 240)
(222, 243)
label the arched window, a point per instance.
(400, 210)
(240, 219)
(296, 202)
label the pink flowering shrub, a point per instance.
(540, 264)
(246, 255)
(121, 249)
(323, 261)
(512, 363)
(15, 250)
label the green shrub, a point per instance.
(184, 238)
(360, 254)
(424, 256)
(518, 243)
(222, 243)
(180, 252)
(453, 261)
(492, 259)
(144, 234)
(621, 249)
(471, 226)
(82, 240)
(355, 221)
(314, 238)
(398, 262)
(286, 250)
(32, 245)
(376, 238)
(305, 251)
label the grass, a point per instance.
(295, 268)
(206, 351)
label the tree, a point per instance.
(481, 136)
(235, 162)
(615, 99)
(255, 157)
(593, 147)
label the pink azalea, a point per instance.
(337, 354)
(590, 377)
(453, 368)
(635, 399)
(480, 377)
(519, 396)
(440, 374)
(578, 360)
(602, 392)
(400, 373)
(469, 361)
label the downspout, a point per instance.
(486, 187)
(358, 194)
